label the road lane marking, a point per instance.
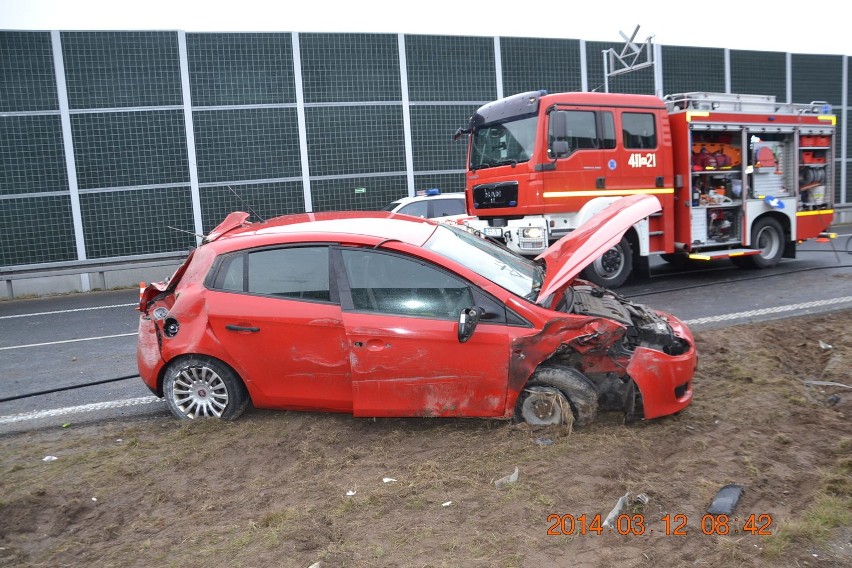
(68, 341)
(34, 415)
(766, 311)
(38, 414)
(67, 311)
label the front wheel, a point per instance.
(201, 387)
(552, 393)
(613, 267)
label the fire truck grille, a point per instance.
(495, 195)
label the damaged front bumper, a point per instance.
(664, 380)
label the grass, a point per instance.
(270, 488)
(831, 509)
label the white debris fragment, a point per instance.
(511, 478)
(446, 503)
(823, 345)
(49, 458)
(351, 492)
(613, 515)
(388, 479)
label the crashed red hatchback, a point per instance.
(381, 314)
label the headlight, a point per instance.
(532, 233)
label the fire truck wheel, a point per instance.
(768, 236)
(554, 390)
(612, 269)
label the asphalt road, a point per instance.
(62, 343)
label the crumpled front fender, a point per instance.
(664, 381)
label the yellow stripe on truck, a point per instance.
(609, 192)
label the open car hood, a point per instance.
(565, 258)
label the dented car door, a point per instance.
(274, 310)
(401, 320)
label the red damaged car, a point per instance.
(381, 314)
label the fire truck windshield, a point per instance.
(505, 143)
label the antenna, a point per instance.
(185, 231)
(246, 205)
(628, 59)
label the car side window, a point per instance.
(298, 273)
(231, 274)
(417, 209)
(446, 207)
(391, 284)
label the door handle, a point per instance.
(231, 327)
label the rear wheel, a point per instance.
(554, 391)
(612, 269)
(767, 236)
(201, 387)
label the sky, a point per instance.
(750, 25)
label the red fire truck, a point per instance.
(738, 176)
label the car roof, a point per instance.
(361, 226)
(407, 200)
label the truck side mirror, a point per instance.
(559, 145)
(559, 125)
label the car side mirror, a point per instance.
(468, 318)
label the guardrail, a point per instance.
(93, 273)
(96, 270)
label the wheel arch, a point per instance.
(162, 373)
(784, 220)
(579, 390)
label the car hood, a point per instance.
(565, 258)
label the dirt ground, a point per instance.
(295, 489)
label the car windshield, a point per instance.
(506, 269)
(503, 143)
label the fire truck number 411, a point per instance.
(637, 160)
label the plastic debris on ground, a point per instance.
(508, 479)
(49, 458)
(609, 522)
(726, 499)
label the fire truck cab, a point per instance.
(738, 176)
